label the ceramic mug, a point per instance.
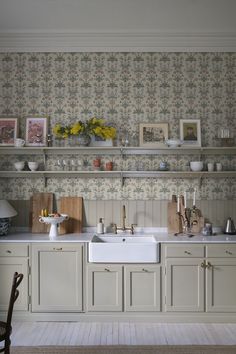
(210, 166)
(219, 166)
(19, 142)
(163, 165)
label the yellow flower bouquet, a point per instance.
(94, 130)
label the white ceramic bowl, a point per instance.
(173, 143)
(196, 166)
(33, 166)
(19, 165)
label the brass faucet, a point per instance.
(123, 227)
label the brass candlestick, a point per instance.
(191, 218)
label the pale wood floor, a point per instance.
(83, 333)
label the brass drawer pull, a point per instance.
(187, 252)
(107, 270)
(8, 251)
(208, 265)
(57, 249)
(228, 252)
(203, 265)
(145, 270)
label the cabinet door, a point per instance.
(104, 288)
(8, 266)
(184, 290)
(221, 285)
(142, 288)
(57, 278)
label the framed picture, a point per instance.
(8, 131)
(190, 131)
(153, 135)
(36, 131)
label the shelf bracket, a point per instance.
(45, 181)
(44, 159)
(122, 178)
(200, 181)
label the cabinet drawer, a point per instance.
(225, 251)
(184, 250)
(14, 250)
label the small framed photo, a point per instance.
(36, 131)
(190, 132)
(8, 131)
(153, 135)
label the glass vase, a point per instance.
(83, 140)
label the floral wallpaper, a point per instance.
(126, 89)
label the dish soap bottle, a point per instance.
(100, 226)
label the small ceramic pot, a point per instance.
(109, 166)
(97, 162)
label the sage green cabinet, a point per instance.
(104, 287)
(221, 285)
(14, 258)
(142, 288)
(57, 277)
(200, 284)
(221, 277)
(123, 287)
(184, 288)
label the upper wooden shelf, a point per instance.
(4, 150)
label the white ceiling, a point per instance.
(90, 21)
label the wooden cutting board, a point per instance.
(73, 207)
(173, 219)
(40, 201)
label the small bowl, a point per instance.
(173, 143)
(19, 165)
(196, 166)
(33, 166)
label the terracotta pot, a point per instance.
(109, 166)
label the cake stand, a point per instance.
(54, 222)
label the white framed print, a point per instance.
(190, 132)
(153, 134)
(36, 131)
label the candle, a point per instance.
(185, 200)
(178, 204)
(194, 197)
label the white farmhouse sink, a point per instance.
(123, 249)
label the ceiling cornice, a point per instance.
(116, 42)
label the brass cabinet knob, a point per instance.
(203, 265)
(208, 265)
(228, 252)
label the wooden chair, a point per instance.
(5, 327)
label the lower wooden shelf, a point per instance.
(117, 174)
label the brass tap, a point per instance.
(123, 227)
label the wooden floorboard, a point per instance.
(129, 333)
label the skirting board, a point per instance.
(125, 317)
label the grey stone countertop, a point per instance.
(163, 237)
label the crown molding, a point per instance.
(116, 42)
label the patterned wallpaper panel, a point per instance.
(126, 89)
